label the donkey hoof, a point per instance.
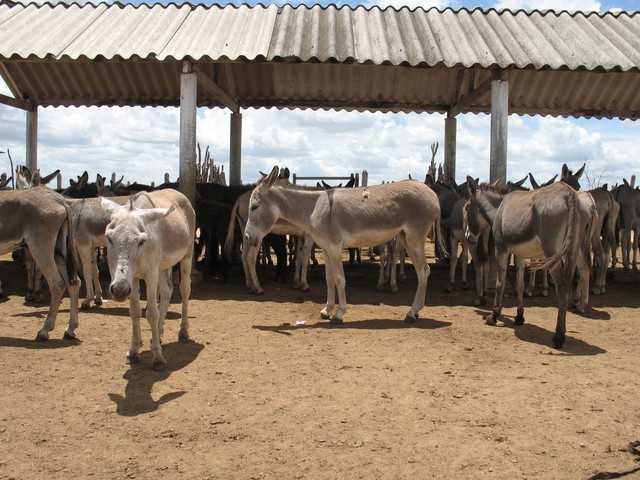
(159, 366)
(448, 288)
(528, 293)
(465, 286)
(132, 359)
(491, 320)
(335, 321)
(558, 341)
(544, 293)
(409, 319)
(42, 337)
(85, 306)
(305, 288)
(519, 320)
(71, 336)
(183, 338)
(324, 315)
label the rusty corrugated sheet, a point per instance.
(323, 57)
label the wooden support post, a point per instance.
(188, 111)
(499, 123)
(450, 130)
(31, 160)
(235, 152)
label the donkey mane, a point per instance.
(498, 189)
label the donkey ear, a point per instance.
(553, 179)
(109, 205)
(533, 182)
(579, 173)
(428, 180)
(472, 186)
(154, 214)
(270, 179)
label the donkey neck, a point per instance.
(296, 205)
(488, 203)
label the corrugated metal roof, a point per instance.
(564, 63)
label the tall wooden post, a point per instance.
(499, 123)
(31, 160)
(235, 153)
(188, 111)
(450, 130)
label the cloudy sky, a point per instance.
(312, 143)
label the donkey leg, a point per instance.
(95, 274)
(153, 317)
(74, 299)
(135, 312)
(331, 286)
(393, 273)
(249, 256)
(383, 265)
(304, 262)
(562, 283)
(501, 270)
(87, 274)
(340, 282)
(519, 320)
(185, 293)
(415, 249)
(581, 299)
(57, 287)
(531, 285)
(464, 259)
(165, 289)
(453, 261)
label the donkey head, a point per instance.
(129, 243)
(570, 178)
(263, 212)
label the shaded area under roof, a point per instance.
(570, 64)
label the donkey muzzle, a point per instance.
(120, 291)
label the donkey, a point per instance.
(239, 214)
(146, 238)
(628, 199)
(603, 237)
(529, 289)
(39, 219)
(345, 217)
(550, 225)
(90, 220)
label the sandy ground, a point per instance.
(268, 390)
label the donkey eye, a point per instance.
(140, 243)
(253, 207)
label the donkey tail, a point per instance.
(66, 240)
(231, 229)
(439, 236)
(564, 252)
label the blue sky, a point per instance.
(313, 143)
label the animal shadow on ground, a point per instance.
(370, 324)
(529, 332)
(137, 399)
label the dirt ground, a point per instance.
(269, 390)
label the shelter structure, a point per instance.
(581, 64)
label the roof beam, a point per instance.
(14, 102)
(464, 103)
(208, 84)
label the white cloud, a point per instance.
(557, 5)
(412, 4)
(143, 143)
